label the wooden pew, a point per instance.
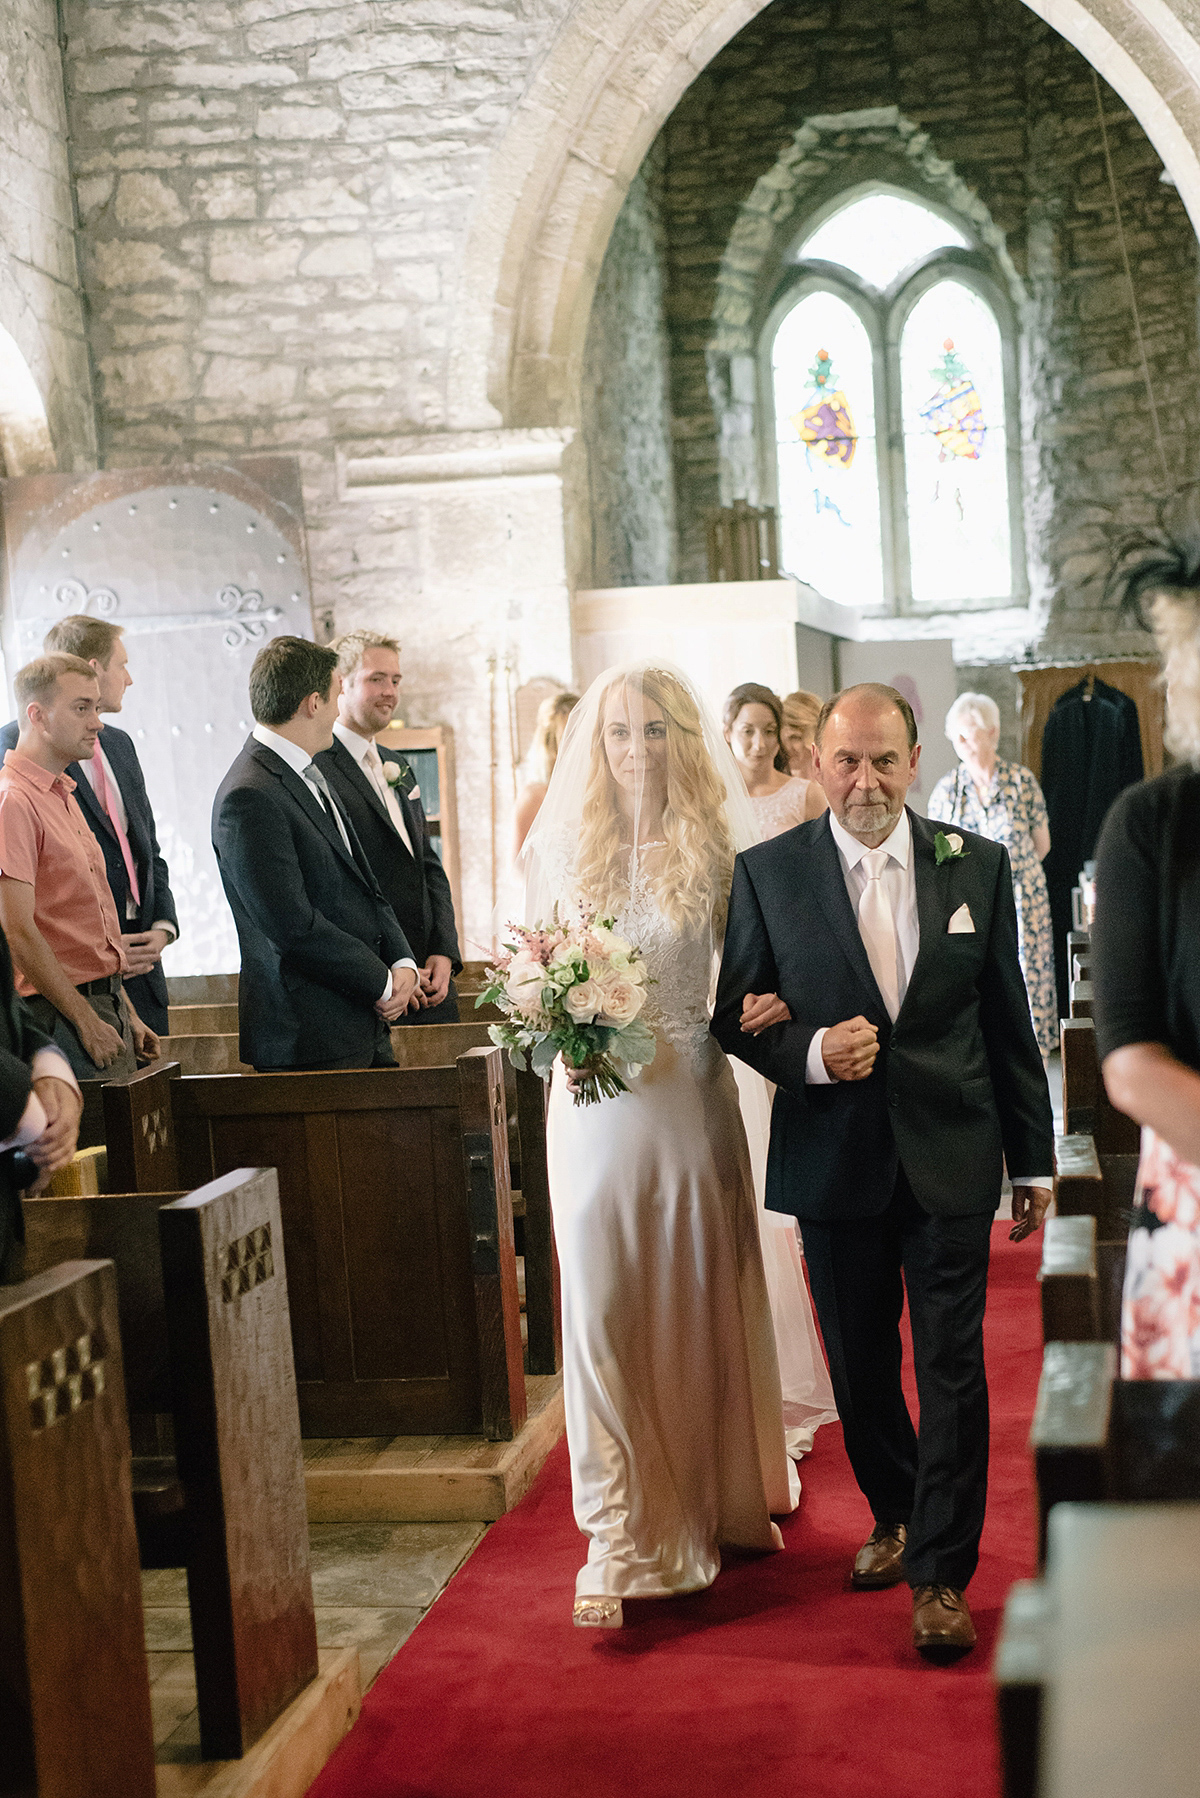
(1082, 999)
(1095, 1436)
(1020, 1671)
(1087, 1108)
(440, 1045)
(1090, 1185)
(397, 1214)
(1121, 1718)
(1070, 1288)
(74, 1693)
(203, 1318)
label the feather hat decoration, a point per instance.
(1162, 558)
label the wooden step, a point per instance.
(204, 1054)
(203, 1020)
(432, 1479)
(202, 989)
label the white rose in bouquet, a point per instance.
(584, 1001)
(622, 999)
(524, 982)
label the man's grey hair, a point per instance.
(972, 708)
(351, 649)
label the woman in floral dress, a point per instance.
(1003, 801)
(1146, 971)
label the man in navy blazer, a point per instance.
(870, 970)
(326, 967)
(111, 789)
(377, 789)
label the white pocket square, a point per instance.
(962, 923)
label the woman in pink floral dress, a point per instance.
(1146, 968)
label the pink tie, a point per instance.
(105, 793)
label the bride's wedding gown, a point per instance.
(672, 1391)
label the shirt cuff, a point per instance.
(386, 994)
(51, 1064)
(33, 1122)
(1032, 1180)
(815, 1071)
(166, 924)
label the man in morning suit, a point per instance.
(870, 970)
(378, 793)
(326, 967)
(111, 791)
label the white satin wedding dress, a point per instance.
(673, 1403)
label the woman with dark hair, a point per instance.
(1146, 968)
(753, 721)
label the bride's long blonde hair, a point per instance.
(691, 880)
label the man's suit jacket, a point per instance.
(317, 936)
(415, 886)
(148, 991)
(958, 1081)
(20, 1039)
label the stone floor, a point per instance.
(372, 1582)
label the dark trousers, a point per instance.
(935, 1483)
(111, 1009)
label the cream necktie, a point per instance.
(373, 762)
(877, 927)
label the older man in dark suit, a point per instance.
(326, 967)
(376, 787)
(111, 791)
(870, 970)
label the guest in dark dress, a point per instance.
(1146, 968)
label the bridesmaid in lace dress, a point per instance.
(753, 720)
(674, 1416)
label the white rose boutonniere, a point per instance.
(948, 848)
(393, 773)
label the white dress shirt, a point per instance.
(114, 786)
(899, 880)
(298, 760)
(360, 748)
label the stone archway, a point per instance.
(606, 87)
(25, 442)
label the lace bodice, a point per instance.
(680, 964)
(776, 812)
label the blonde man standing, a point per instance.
(380, 795)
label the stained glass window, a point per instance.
(955, 448)
(879, 236)
(828, 472)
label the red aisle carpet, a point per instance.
(779, 1682)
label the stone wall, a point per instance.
(39, 288)
(625, 402)
(1011, 106)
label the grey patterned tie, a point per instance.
(320, 786)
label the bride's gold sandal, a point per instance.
(598, 1613)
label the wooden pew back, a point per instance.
(72, 1639)
(439, 1045)
(397, 1214)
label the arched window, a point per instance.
(892, 373)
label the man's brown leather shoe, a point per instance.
(880, 1560)
(941, 1622)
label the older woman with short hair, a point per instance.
(1003, 801)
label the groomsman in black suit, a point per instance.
(326, 967)
(377, 789)
(870, 970)
(111, 790)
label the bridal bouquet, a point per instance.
(573, 990)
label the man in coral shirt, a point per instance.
(55, 904)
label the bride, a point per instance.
(674, 1412)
